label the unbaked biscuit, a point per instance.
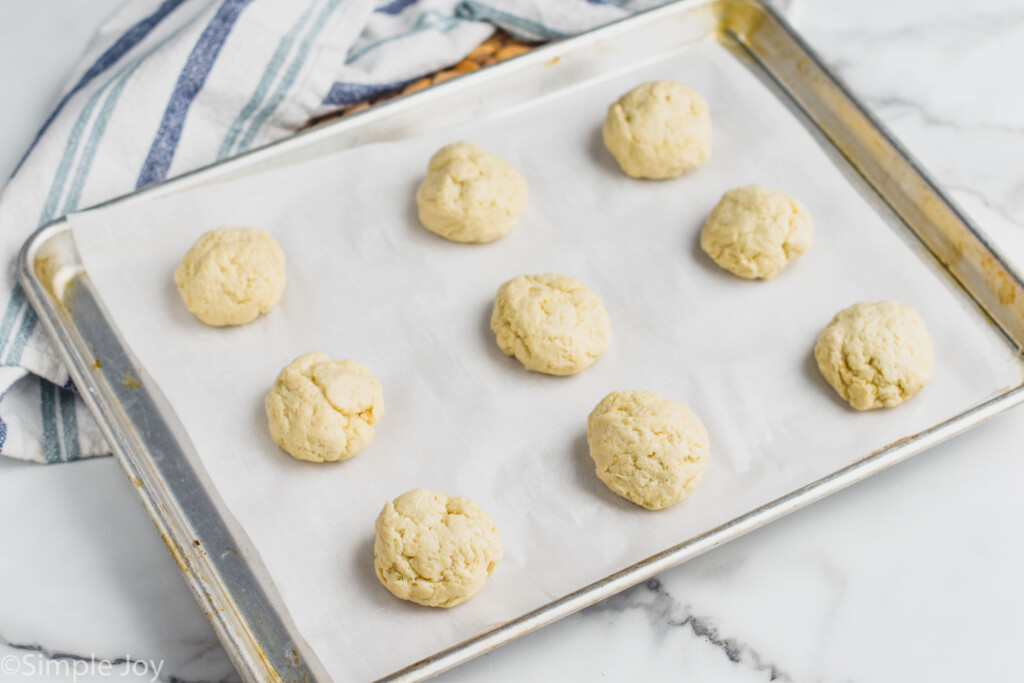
(551, 323)
(324, 410)
(658, 130)
(647, 449)
(230, 276)
(433, 549)
(876, 354)
(470, 195)
(754, 231)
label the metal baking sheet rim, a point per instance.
(1001, 299)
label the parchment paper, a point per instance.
(367, 282)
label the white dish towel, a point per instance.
(167, 86)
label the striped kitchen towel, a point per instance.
(171, 85)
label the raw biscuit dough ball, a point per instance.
(876, 354)
(433, 549)
(658, 130)
(550, 323)
(324, 410)
(231, 276)
(470, 195)
(754, 231)
(647, 449)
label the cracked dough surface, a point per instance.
(324, 410)
(658, 130)
(754, 231)
(647, 449)
(433, 549)
(470, 195)
(551, 323)
(876, 354)
(231, 276)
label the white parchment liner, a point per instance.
(367, 282)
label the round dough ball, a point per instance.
(470, 195)
(324, 410)
(550, 323)
(658, 130)
(433, 549)
(647, 449)
(876, 354)
(754, 231)
(231, 276)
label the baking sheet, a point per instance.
(367, 282)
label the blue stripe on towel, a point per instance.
(69, 425)
(28, 325)
(14, 305)
(190, 82)
(321, 21)
(68, 156)
(48, 413)
(429, 19)
(284, 46)
(396, 6)
(516, 25)
(342, 94)
(114, 86)
(99, 127)
(132, 37)
(17, 301)
(89, 152)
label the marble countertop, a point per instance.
(913, 575)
